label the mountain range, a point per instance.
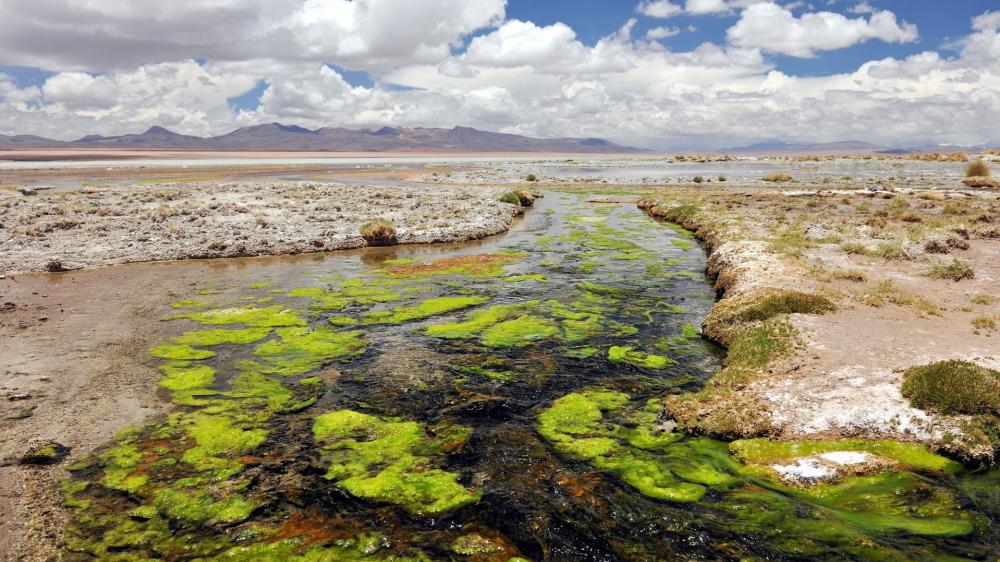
(275, 136)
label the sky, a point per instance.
(664, 74)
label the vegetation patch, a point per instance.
(392, 461)
(627, 354)
(954, 270)
(379, 232)
(430, 307)
(480, 265)
(953, 387)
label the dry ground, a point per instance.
(119, 224)
(872, 255)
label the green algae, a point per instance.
(521, 325)
(369, 547)
(202, 507)
(910, 455)
(627, 354)
(259, 285)
(185, 380)
(268, 317)
(392, 461)
(179, 352)
(526, 277)
(425, 309)
(584, 352)
(474, 544)
(642, 455)
(519, 332)
(216, 437)
(300, 350)
(207, 338)
(598, 426)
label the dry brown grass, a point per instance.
(977, 169)
(778, 177)
(379, 232)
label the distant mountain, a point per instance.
(276, 136)
(778, 146)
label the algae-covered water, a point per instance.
(490, 402)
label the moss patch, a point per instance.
(300, 350)
(627, 354)
(268, 317)
(953, 387)
(430, 307)
(583, 426)
(392, 461)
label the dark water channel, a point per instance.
(496, 401)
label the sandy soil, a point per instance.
(120, 224)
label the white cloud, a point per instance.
(658, 8)
(706, 6)
(367, 34)
(552, 49)
(862, 8)
(775, 29)
(662, 32)
(542, 80)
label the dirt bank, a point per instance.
(829, 296)
(152, 222)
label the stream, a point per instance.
(491, 401)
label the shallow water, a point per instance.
(475, 402)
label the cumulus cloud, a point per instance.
(521, 77)
(662, 32)
(773, 28)
(706, 6)
(366, 34)
(658, 8)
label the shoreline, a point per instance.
(95, 227)
(785, 318)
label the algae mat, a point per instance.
(497, 401)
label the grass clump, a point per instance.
(759, 306)
(953, 387)
(955, 270)
(379, 232)
(855, 248)
(891, 251)
(778, 177)
(977, 169)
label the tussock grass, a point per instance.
(778, 177)
(953, 387)
(379, 232)
(955, 270)
(891, 251)
(886, 291)
(977, 169)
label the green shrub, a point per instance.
(698, 179)
(956, 270)
(530, 177)
(953, 387)
(725, 318)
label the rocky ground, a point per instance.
(42, 231)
